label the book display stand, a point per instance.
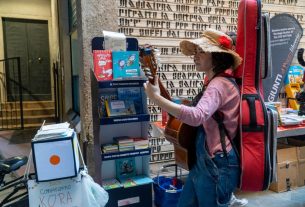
(120, 120)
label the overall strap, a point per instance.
(218, 117)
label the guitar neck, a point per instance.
(148, 61)
(163, 91)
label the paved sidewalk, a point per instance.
(293, 198)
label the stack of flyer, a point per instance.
(125, 143)
(140, 143)
(54, 131)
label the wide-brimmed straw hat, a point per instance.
(211, 41)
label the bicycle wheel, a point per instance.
(20, 202)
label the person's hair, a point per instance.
(221, 61)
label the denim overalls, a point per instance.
(210, 182)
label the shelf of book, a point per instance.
(124, 119)
(120, 109)
(134, 153)
(110, 184)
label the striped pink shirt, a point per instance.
(221, 95)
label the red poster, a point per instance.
(102, 60)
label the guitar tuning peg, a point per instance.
(158, 61)
(146, 69)
(157, 52)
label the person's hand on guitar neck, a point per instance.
(153, 93)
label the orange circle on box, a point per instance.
(54, 159)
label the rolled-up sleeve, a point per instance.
(206, 107)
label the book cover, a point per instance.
(120, 107)
(103, 97)
(110, 148)
(134, 94)
(125, 168)
(142, 179)
(102, 61)
(294, 75)
(140, 143)
(129, 182)
(125, 64)
(111, 183)
(125, 143)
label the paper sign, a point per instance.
(59, 193)
(286, 33)
(114, 41)
(129, 201)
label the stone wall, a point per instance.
(164, 23)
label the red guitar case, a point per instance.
(254, 141)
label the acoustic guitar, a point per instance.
(182, 136)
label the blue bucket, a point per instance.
(165, 193)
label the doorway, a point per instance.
(29, 40)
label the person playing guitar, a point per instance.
(215, 174)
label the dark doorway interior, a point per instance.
(29, 40)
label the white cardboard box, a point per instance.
(56, 158)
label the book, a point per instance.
(102, 62)
(125, 143)
(125, 168)
(120, 107)
(122, 140)
(294, 75)
(111, 183)
(110, 148)
(142, 179)
(134, 94)
(140, 143)
(125, 64)
(103, 97)
(129, 182)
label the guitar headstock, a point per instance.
(149, 61)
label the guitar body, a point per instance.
(183, 138)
